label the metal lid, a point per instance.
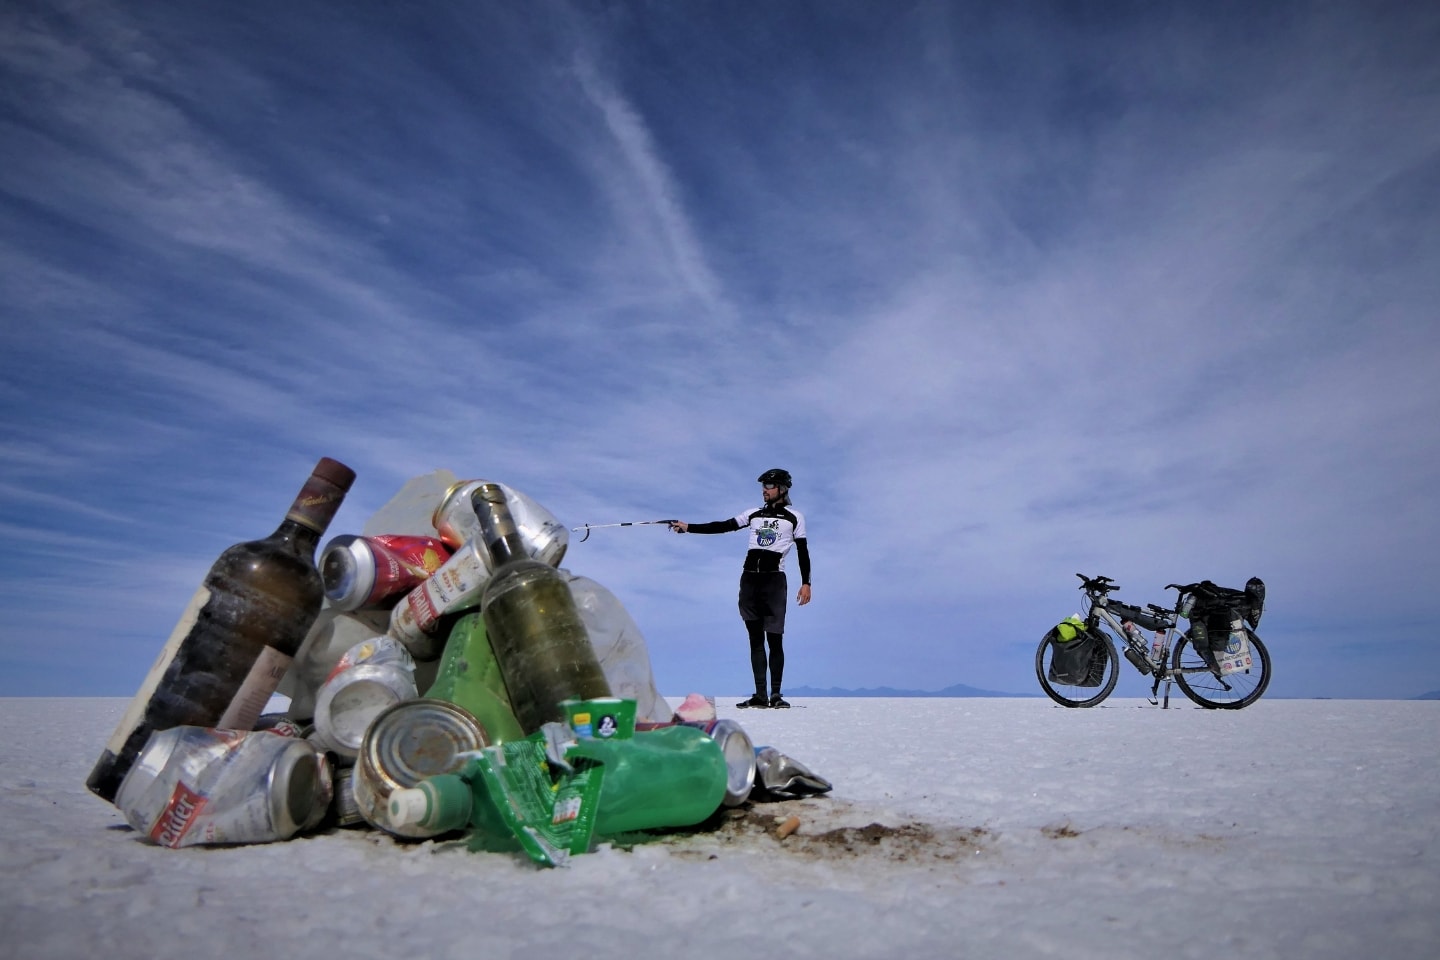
(406, 743)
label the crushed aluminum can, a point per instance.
(405, 744)
(198, 785)
(457, 523)
(739, 753)
(778, 777)
(366, 571)
(371, 676)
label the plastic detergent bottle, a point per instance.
(470, 677)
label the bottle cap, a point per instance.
(439, 803)
(335, 472)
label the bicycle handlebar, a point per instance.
(1098, 584)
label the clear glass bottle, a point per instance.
(236, 638)
(539, 641)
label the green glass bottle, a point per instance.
(540, 642)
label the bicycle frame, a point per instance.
(1152, 658)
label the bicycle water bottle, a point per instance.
(1132, 633)
(1157, 648)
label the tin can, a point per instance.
(739, 753)
(457, 523)
(365, 571)
(197, 785)
(405, 744)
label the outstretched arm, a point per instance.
(715, 526)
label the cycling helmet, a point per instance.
(778, 477)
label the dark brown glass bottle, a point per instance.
(540, 642)
(235, 640)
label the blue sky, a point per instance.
(1014, 291)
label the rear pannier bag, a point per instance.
(1077, 662)
(1217, 607)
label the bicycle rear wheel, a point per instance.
(1197, 681)
(1076, 695)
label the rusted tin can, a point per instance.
(366, 571)
(739, 753)
(197, 785)
(457, 523)
(405, 744)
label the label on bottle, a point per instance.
(317, 503)
(136, 711)
(255, 692)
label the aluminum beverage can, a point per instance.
(198, 785)
(739, 753)
(366, 571)
(351, 700)
(457, 523)
(347, 813)
(456, 586)
(405, 744)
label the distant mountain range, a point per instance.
(957, 690)
(1432, 695)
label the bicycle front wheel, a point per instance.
(1229, 692)
(1079, 695)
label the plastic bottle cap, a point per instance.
(409, 807)
(437, 803)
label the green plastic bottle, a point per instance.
(668, 777)
(535, 630)
(470, 677)
(512, 799)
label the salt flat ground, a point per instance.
(978, 828)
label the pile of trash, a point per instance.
(455, 681)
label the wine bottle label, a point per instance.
(254, 693)
(316, 504)
(135, 713)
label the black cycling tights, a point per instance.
(758, 662)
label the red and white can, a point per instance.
(366, 571)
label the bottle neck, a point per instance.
(497, 526)
(315, 506)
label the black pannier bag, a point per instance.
(1216, 607)
(1079, 662)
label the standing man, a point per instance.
(774, 528)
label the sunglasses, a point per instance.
(771, 486)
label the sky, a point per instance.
(1141, 290)
(1041, 833)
